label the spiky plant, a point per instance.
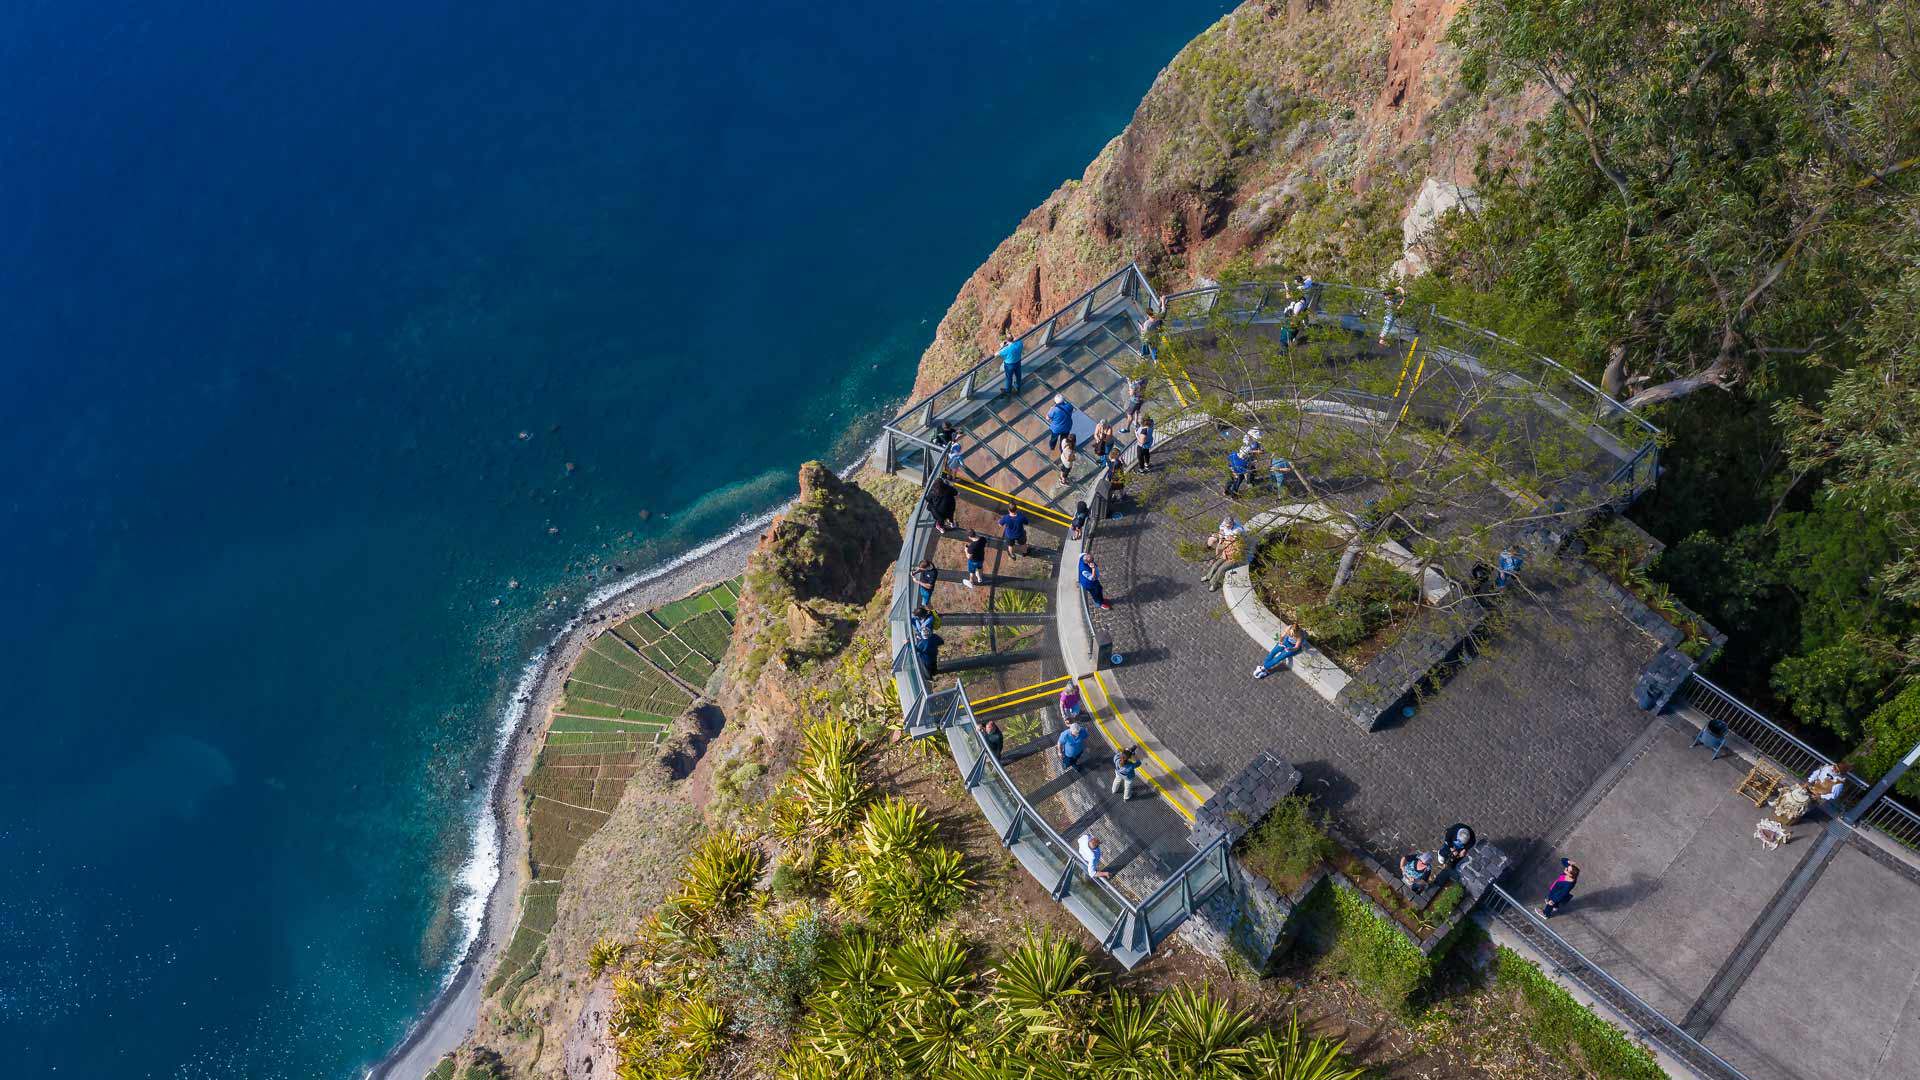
(1205, 1037)
(927, 979)
(699, 1027)
(1292, 1054)
(850, 1018)
(1041, 991)
(1127, 1037)
(720, 873)
(603, 954)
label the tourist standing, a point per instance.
(1456, 843)
(1011, 350)
(1090, 582)
(1070, 702)
(942, 501)
(1561, 891)
(956, 458)
(1059, 421)
(1092, 856)
(991, 734)
(1102, 442)
(924, 621)
(1013, 530)
(1068, 443)
(976, 558)
(1146, 444)
(1237, 468)
(928, 650)
(1072, 743)
(1286, 645)
(1391, 302)
(1126, 767)
(924, 575)
(1136, 402)
(1416, 870)
(1510, 563)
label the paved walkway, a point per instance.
(1507, 745)
(1799, 962)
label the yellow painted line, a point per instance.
(1176, 391)
(1404, 366)
(1145, 745)
(977, 702)
(1035, 508)
(1416, 383)
(995, 706)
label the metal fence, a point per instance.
(1468, 354)
(1128, 930)
(916, 421)
(1643, 1019)
(1771, 740)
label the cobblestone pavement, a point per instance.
(1507, 745)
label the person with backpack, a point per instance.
(928, 650)
(1059, 421)
(1136, 402)
(1510, 563)
(1146, 437)
(1011, 349)
(1101, 445)
(1090, 581)
(976, 558)
(1069, 702)
(1013, 530)
(924, 575)
(924, 621)
(1126, 767)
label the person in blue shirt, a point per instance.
(928, 650)
(1011, 350)
(1090, 581)
(1286, 645)
(1072, 743)
(924, 620)
(1013, 530)
(1237, 468)
(1146, 444)
(1510, 562)
(1059, 421)
(1281, 468)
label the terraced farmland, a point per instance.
(620, 699)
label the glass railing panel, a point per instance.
(1164, 910)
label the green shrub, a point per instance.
(1287, 845)
(1559, 1021)
(767, 971)
(1366, 948)
(721, 871)
(604, 954)
(1446, 903)
(896, 873)
(1891, 730)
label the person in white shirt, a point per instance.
(1092, 856)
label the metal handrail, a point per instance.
(1668, 1034)
(1028, 812)
(1434, 314)
(1038, 328)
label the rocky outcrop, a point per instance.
(1294, 133)
(822, 559)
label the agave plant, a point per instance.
(850, 1020)
(721, 871)
(1127, 1037)
(1294, 1055)
(603, 954)
(1041, 990)
(699, 1027)
(1205, 1037)
(927, 980)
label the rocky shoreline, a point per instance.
(454, 1013)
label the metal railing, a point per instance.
(1646, 1021)
(1128, 930)
(1480, 355)
(1771, 740)
(922, 415)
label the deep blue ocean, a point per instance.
(281, 289)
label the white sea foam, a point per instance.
(474, 882)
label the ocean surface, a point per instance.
(321, 325)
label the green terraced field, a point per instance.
(614, 709)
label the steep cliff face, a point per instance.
(1297, 133)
